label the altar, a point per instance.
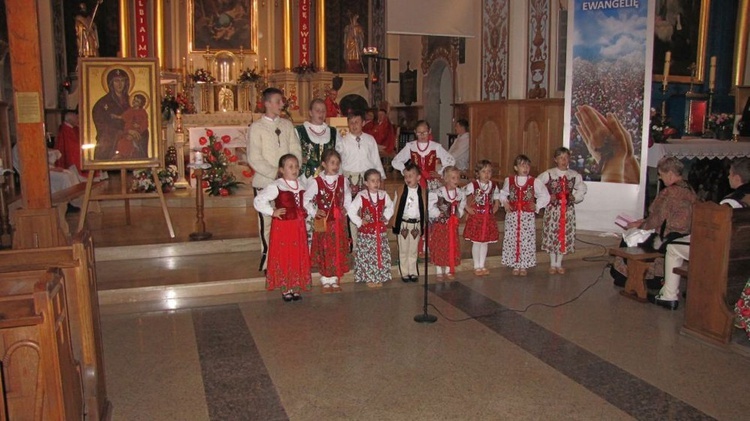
(697, 148)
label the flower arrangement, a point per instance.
(217, 180)
(660, 129)
(248, 76)
(303, 69)
(170, 103)
(721, 121)
(202, 76)
(143, 180)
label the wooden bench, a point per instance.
(718, 270)
(18, 271)
(638, 262)
(41, 379)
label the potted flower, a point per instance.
(143, 180)
(218, 180)
(722, 125)
(202, 76)
(660, 129)
(248, 76)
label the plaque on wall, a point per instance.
(408, 86)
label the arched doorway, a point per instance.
(438, 99)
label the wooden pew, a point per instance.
(18, 271)
(718, 270)
(41, 379)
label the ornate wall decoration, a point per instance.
(434, 48)
(537, 74)
(495, 16)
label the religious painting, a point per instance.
(223, 25)
(681, 28)
(119, 113)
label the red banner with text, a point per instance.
(141, 29)
(304, 32)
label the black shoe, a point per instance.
(72, 209)
(668, 304)
(287, 296)
(406, 279)
(296, 296)
(414, 278)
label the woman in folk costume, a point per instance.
(370, 211)
(327, 197)
(288, 254)
(424, 153)
(315, 137)
(445, 207)
(523, 196)
(482, 202)
(566, 188)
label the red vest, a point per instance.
(521, 197)
(327, 199)
(292, 202)
(372, 212)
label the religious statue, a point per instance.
(87, 38)
(226, 99)
(354, 42)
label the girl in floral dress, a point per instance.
(482, 202)
(327, 197)
(445, 207)
(522, 196)
(288, 254)
(566, 188)
(370, 211)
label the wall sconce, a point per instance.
(372, 54)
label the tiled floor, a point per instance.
(360, 355)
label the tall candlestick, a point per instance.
(184, 67)
(265, 66)
(712, 74)
(256, 64)
(667, 62)
(191, 66)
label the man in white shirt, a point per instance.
(359, 153)
(271, 137)
(460, 147)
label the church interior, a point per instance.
(131, 253)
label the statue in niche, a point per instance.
(354, 43)
(226, 99)
(87, 37)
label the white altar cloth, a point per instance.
(239, 135)
(697, 148)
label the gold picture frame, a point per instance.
(120, 113)
(677, 22)
(218, 27)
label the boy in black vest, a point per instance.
(409, 222)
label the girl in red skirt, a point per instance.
(482, 202)
(288, 254)
(328, 197)
(446, 206)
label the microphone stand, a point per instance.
(426, 317)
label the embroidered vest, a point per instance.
(312, 153)
(373, 221)
(522, 197)
(327, 198)
(482, 198)
(559, 188)
(292, 202)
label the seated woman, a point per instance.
(669, 215)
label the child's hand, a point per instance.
(507, 208)
(321, 214)
(278, 212)
(635, 224)
(434, 174)
(495, 207)
(470, 210)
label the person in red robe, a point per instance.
(332, 108)
(68, 142)
(383, 132)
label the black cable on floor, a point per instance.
(525, 309)
(598, 258)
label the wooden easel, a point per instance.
(124, 195)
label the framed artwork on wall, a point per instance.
(681, 27)
(120, 113)
(223, 25)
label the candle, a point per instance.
(256, 64)
(198, 157)
(667, 62)
(184, 67)
(265, 66)
(712, 74)
(191, 65)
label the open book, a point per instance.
(623, 220)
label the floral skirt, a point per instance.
(481, 228)
(519, 242)
(440, 245)
(551, 233)
(742, 310)
(368, 268)
(288, 256)
(329, 249)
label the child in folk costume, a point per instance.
(522, 196)
(288, 254)
(327, 197)
(482, 202)
(566, 188)
(409, 223)
(425, 154)
(315, 137)
(370, 211)
(446, 206)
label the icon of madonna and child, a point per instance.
(121, 120)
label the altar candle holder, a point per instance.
(200, 233)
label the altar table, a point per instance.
(697, 148)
